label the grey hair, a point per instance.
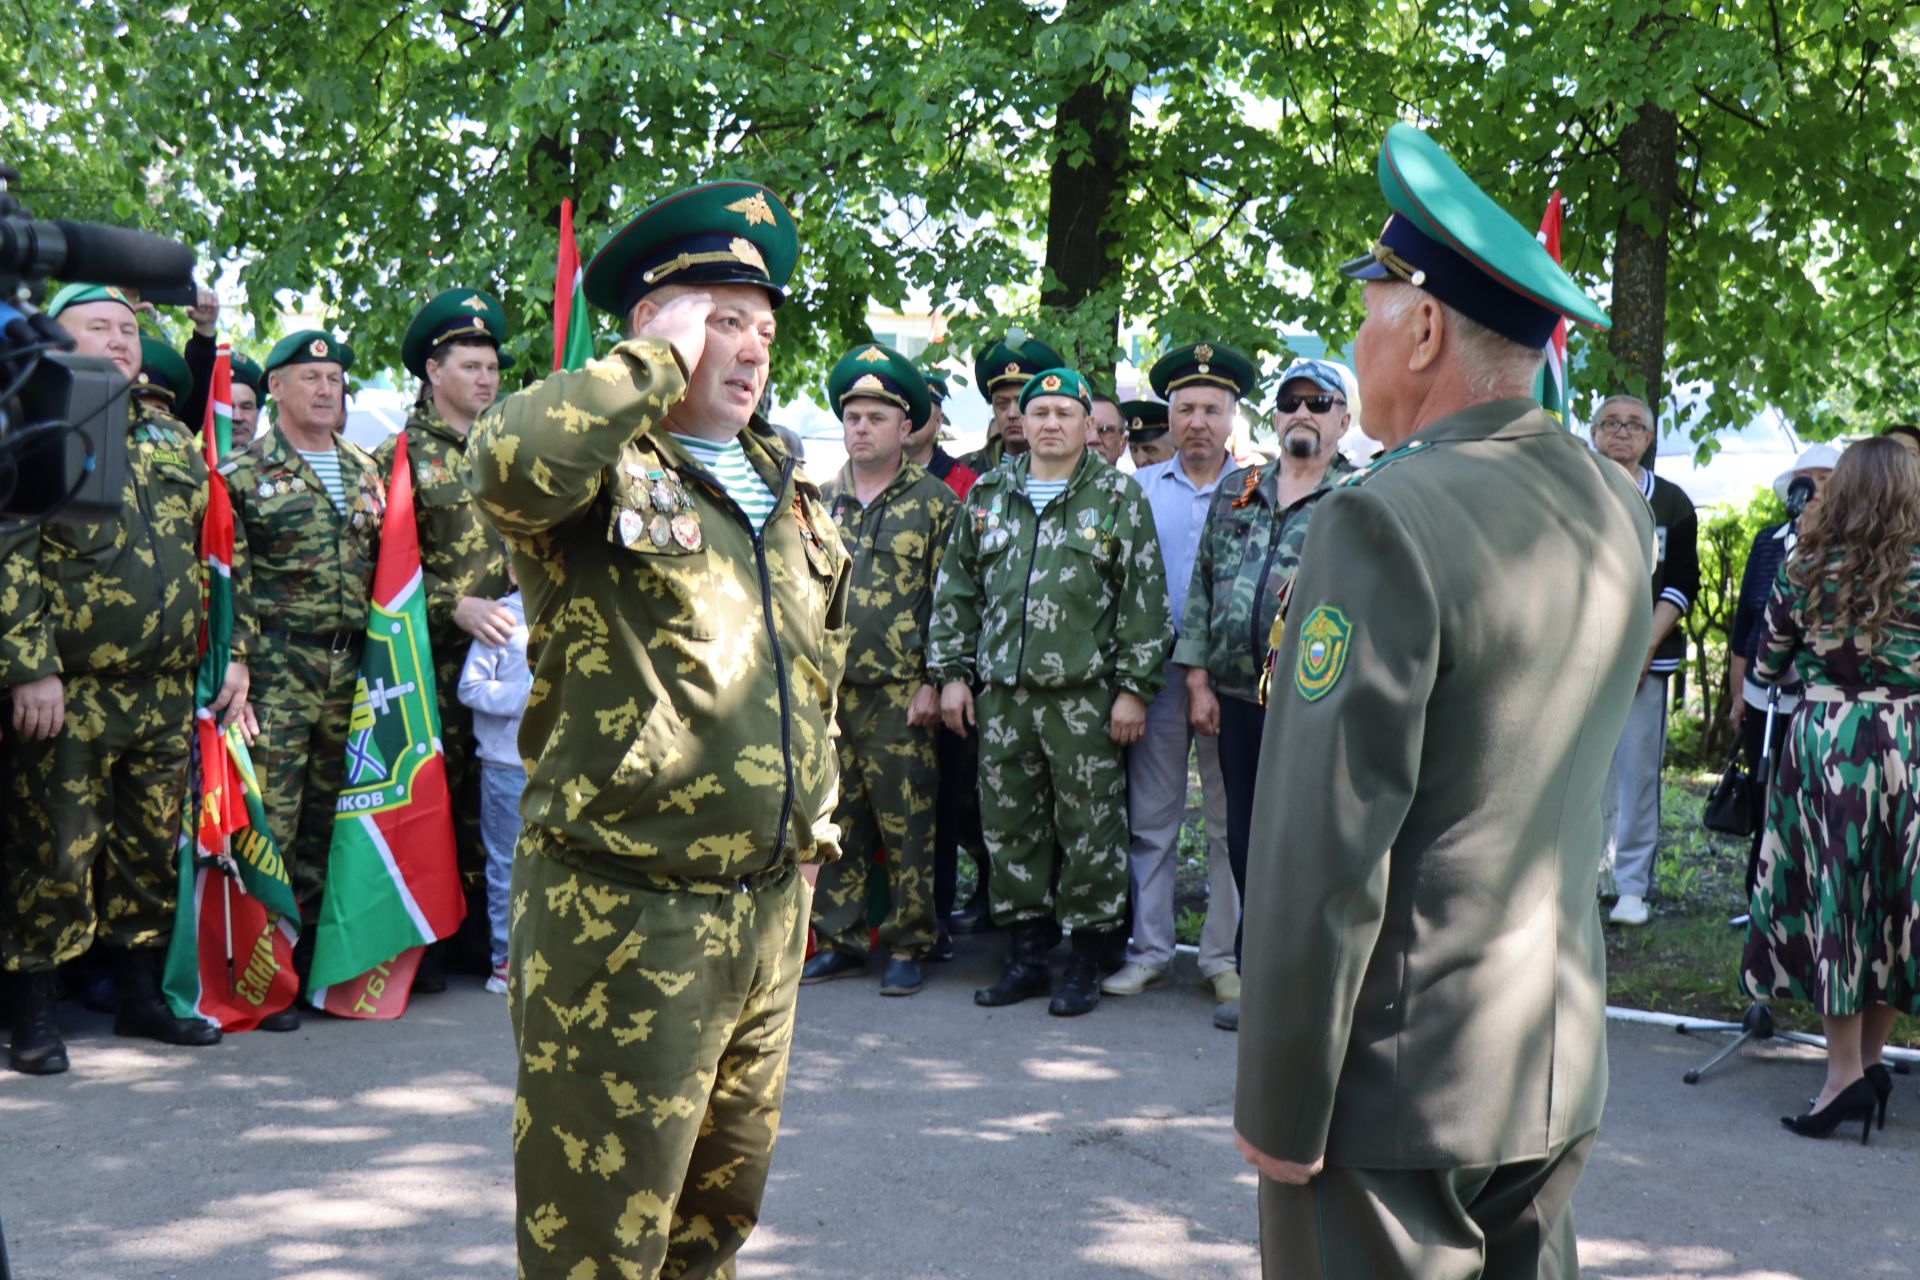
(1494, 365)
(1626, 397)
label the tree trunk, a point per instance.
(1638, 342)
(1085, 191)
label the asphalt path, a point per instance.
(922, 1137)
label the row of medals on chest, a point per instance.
(668, 515)
(996, 536)
(362, 508)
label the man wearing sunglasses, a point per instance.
(1623, 431)
(1256, 526)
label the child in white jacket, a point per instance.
(495, 683)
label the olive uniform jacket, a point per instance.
(1425, 984)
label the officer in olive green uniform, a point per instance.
(683, 585)
(462, 565)
(99, 640)
(1001, 371)
(1423, 1037)
(310, 550)
(1061, 614)
(889, 705)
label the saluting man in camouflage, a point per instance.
(1053, 597)
(307, 505)
(1255, 528)
(99, 641)
(1000, 371)
(894, 518)
(453, 347)
(683, 585)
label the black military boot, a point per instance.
(1080, 986)
(36, 1049)
(143, 1010)
(1025, 975)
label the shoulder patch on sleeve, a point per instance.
(1324, 638)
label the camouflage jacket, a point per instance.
(988, 456)
(308, 566)
(459, 555)
(1071, 597)
(1803, 637)
(1247, 555)
(684, 665)
(897, 542)
(123, 596)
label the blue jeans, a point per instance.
(500, 788)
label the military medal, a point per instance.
(686, 531)
(1089, 518)
(658, 531)
(1087, 531)
(266, 490)
(629, 527)
(663, 496)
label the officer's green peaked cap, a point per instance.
(164, 370)
(937, 387)
(879, 373)
(1010, 362)
(246, 369)
(73, 295)
(1203, 364)
(466, 315)
(1057, 382)
(715, 233)
(1146, 420)
(309, 346)
(1448, 237)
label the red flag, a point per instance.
(1553, 391)
(571, 344)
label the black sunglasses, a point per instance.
(1315, 404)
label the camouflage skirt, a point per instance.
(1835, 918)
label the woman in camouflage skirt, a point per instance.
(1836, 921)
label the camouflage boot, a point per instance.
(35, 1049)
(143, 1010)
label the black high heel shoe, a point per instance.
(1857, 1100)
(1880, 1076)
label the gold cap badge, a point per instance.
(867, 382)
(475, 302)
(1050, 383)
(872, 355)
(317, 348)
(748, 252)
(1012, 369)
(1203, 353)
(754, 209)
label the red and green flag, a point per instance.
(1552, 391)
(230, 961)
(392, 886)
(572, 334)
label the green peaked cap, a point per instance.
(1010, 362)
(73, 295)
(715, 233)
(246, 369)
(464, 314)
(1448, 237)
(1146, 419)
(880, 373)
(309, 346)
(1203, 364)
(163, 371)
(1056, 382)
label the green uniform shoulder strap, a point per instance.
(1381, 463)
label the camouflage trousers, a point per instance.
(652, 1017)
(1049, 772)
(303, 696)
(1836, 903)
(93, 821)
(888, 783)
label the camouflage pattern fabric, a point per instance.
(1248, 552)
(1835, 915)
(988, 456)
(653, 1018)
(888, 781)
(92, 817)
(309, 573)
(1072, 598)
(897, 542)
(459, 556)
(1049, 772)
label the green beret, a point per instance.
(309, 346)
(715, 233)
(1057, 382)
(1010, 362)
(73, 295)
(874, 372)
(163, 372)
(464, 314)
(1146, 420)
(1448, 237)
(1203, 364)
(248, 370)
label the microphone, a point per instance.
(1799, 494)
(93, 253)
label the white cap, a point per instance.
(1816, 457)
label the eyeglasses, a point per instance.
(1315, 404)
(1107, 431)
(1619, 426)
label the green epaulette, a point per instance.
(1384, 461)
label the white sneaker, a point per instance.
(1226, 986)
(497, 984)
(1631, 909)
(1131, 979)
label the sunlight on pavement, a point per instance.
(1151, 1242)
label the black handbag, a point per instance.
(1730, 806)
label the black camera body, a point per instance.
(63, 417)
